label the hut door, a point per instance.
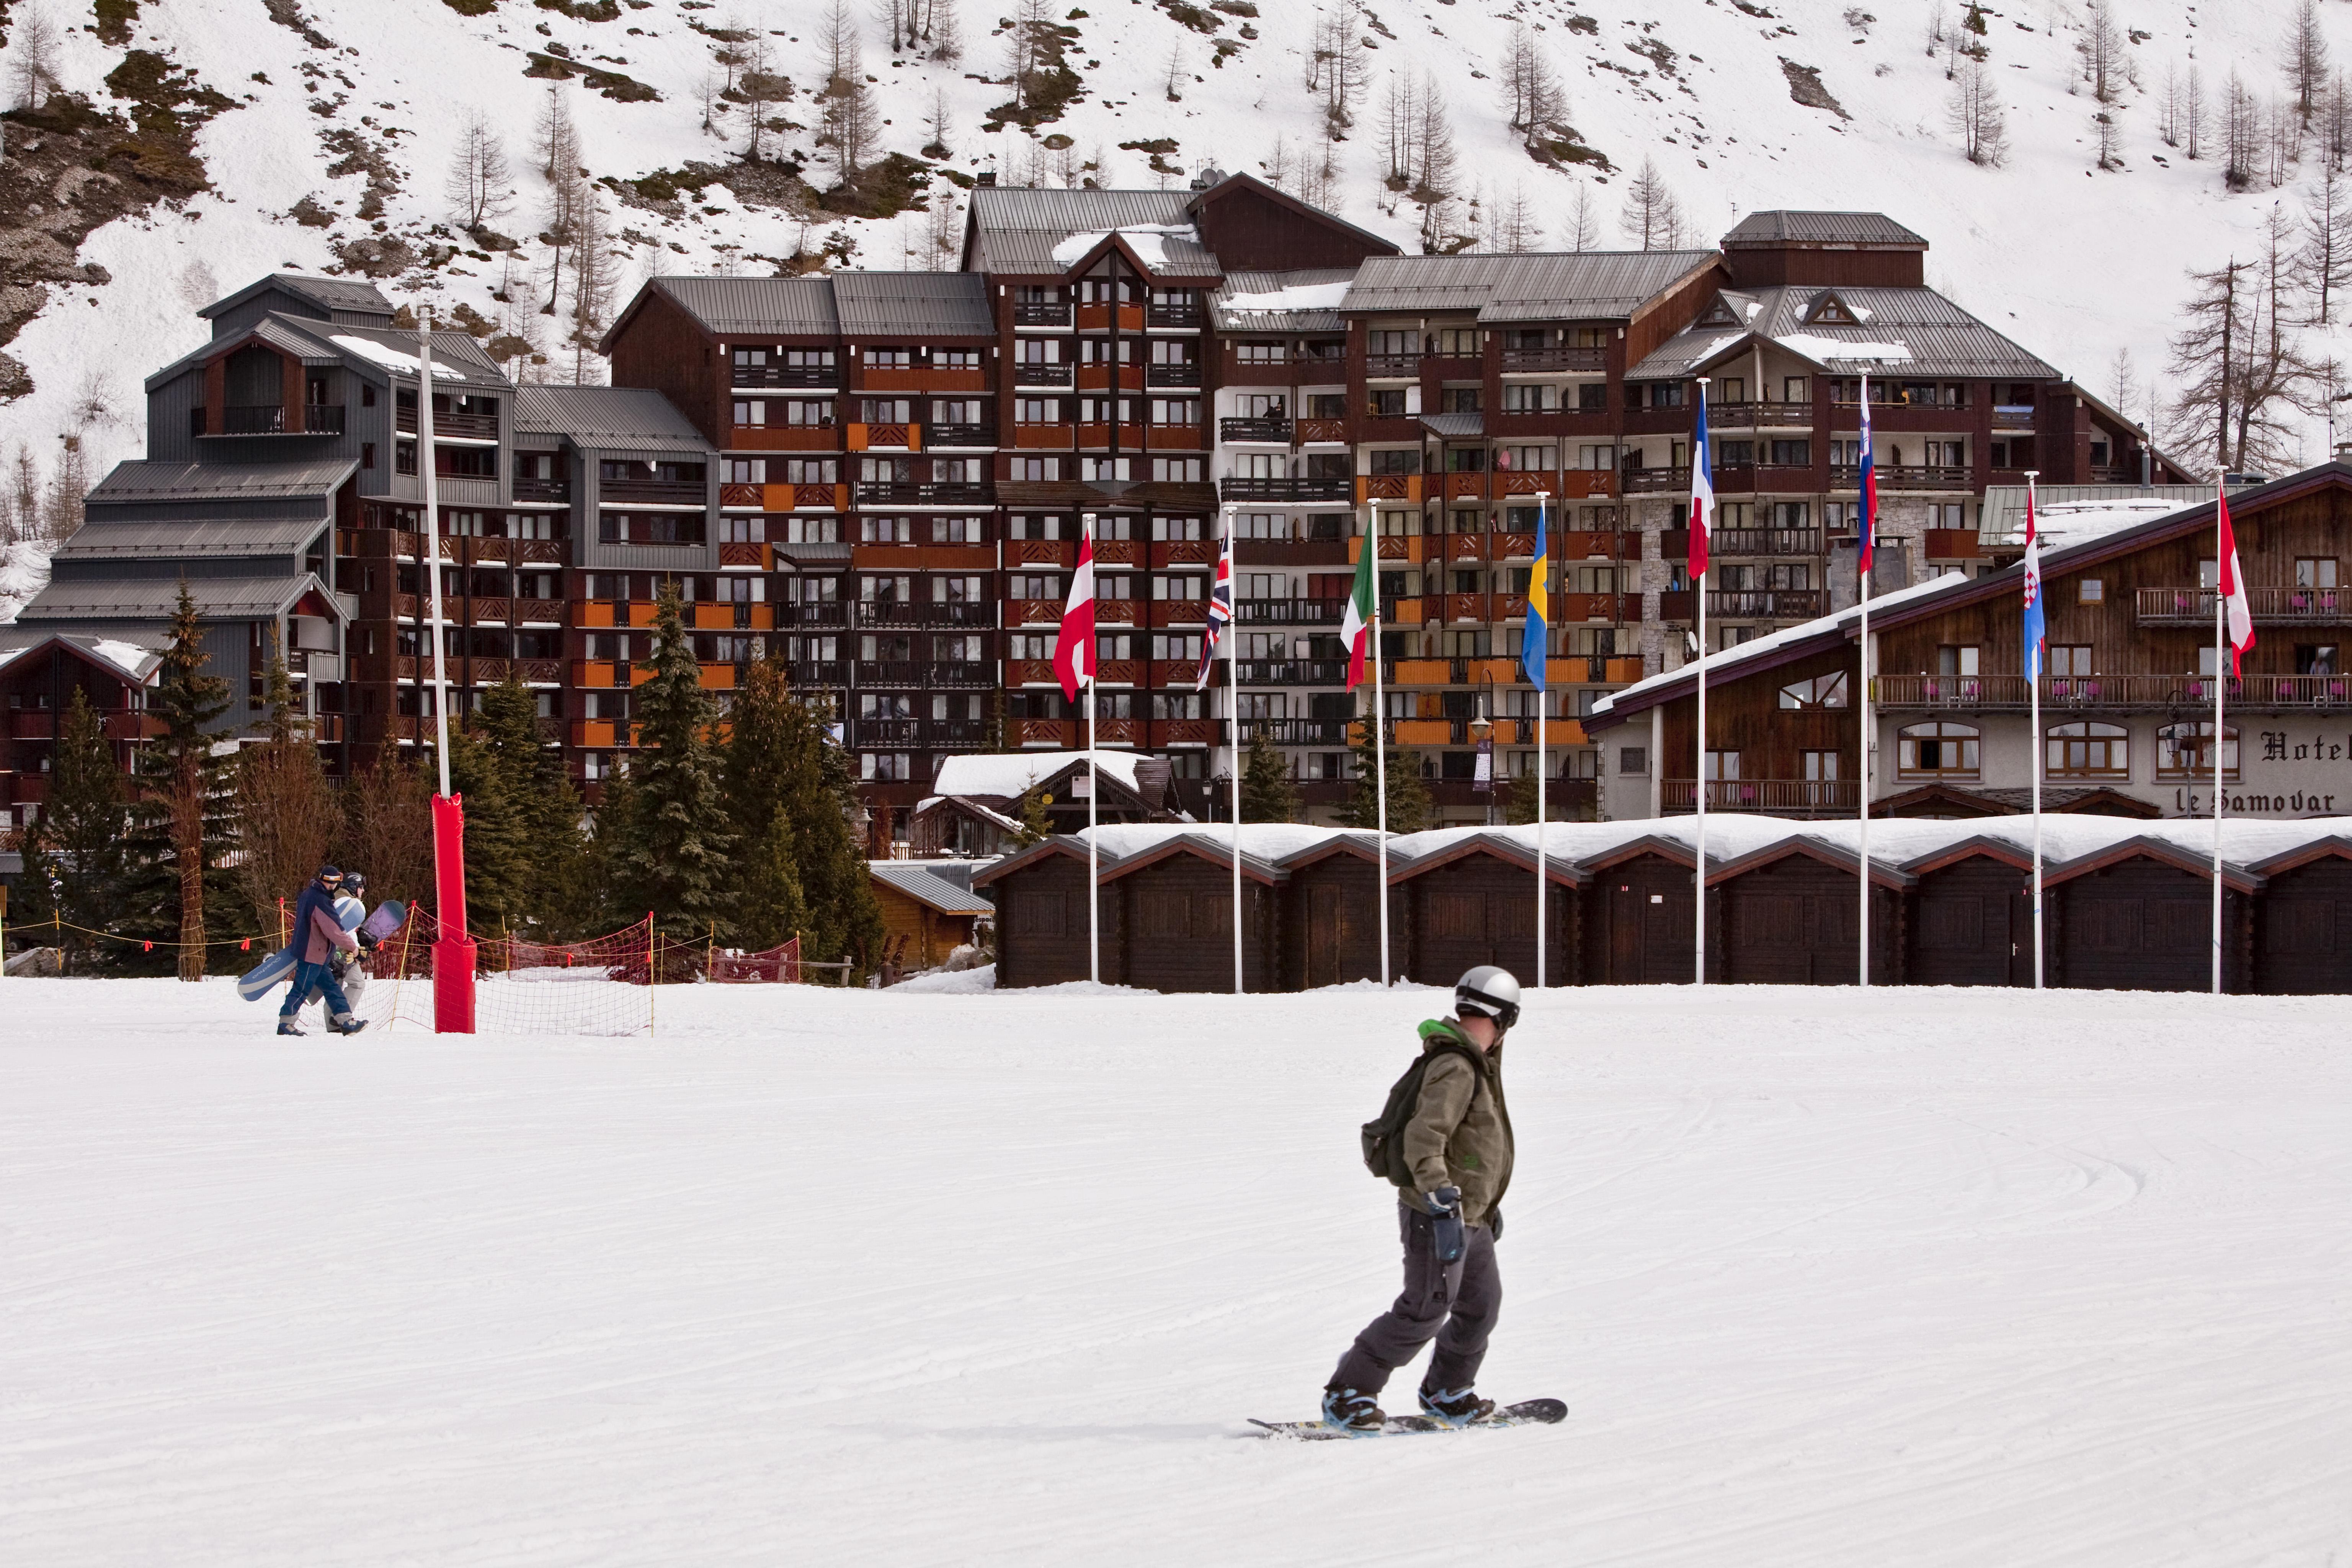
(1323, 937)
(2021, 937)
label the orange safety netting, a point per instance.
(776, 965)
(598, 985)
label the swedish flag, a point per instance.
(1533, 640)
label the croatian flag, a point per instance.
(2239, 607)
(1869, 485)
(1073, 650)
(2034, 626)
(1356, 621)
(1220, 606)
(1702, 500)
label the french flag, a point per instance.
(1702, 497)
(1073, 650)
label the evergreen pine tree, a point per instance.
(1408, 796)
(1266, 792)
(673, 852)
(180, 823)
(73, 854)
(1035, 825)
(523, 843)
(498, 859)
(763, 734)
(830, 852)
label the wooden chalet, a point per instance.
(2303, 920)
(981, 806)
(2127, 693)
(925, 914)
(1786, 915)
(1972, 916)
(39, 673)
(1174, 915)
(1040, 894)
(2138, 916)
(1330, 912)
(1472, 902)
(1638, 913)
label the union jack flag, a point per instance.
(1221, 605)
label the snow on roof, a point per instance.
(1826, 351)
(126, 657)
(1005, 775)
(1296, 297)
(1711, 347)
(392, 359)
(1267, 841)
(2079, 521)
(1731, 658)
(1146, 239)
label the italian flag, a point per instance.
(1355, 626)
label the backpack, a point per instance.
(1384, 1137)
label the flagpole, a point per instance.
(1543, 703)
(1700, 458)
(1233, 680)
(2035, 744)
(1380, 736)
(1862, 570)
(1094, 791)
(2221, 690)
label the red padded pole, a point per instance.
(452, 950)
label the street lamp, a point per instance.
(1482, 733)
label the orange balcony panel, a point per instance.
(591, 613)
(1565, 732)
(1408, 613)
(1042, 438)
(1423, 732)
(1465, 487)
(1058, 734)
(784, 438)
(1175, 438)
(591, 673)
(1041, 552)
(718, 677)
(1423, 672)
(1625, 671)
(714, 617)
(1184, 550)
(1115, 552)
(1465, 606)
(1494, 672)
(1466, 547)
(593, 732)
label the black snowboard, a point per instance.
(1526, 1413)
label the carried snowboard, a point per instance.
(278, 967)
(1526, 1413)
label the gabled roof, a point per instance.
(1974, 803)
(456, 356)
(343, 294)
(1067, 844)
(928, 889)
(140, 480)
(1777, 227)
(1579, 285)
(786, 307)
(1302, 301)
(103, 539)
(156, 598)
(1896, 332)
(613, 417)
(2333, 848)
(894, 305)
(1361, 843)
(1017, 229)
(1835, 854)
(1981, 846)
(120, 658)
(1216, 851)
(2234, 877)
(1009, 776)
(1557, 868)
(1658, 843)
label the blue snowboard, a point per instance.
(278, 967)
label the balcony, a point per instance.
(908, 492)
(880, 612)
(937, 436)
(1657, 481)
(831, 672)
(1391, 367)
(1290, 612)
(1909, 478)
(2111, 693)
(1281, 490)
(1327, 432)
(460, 423)
(1768, 603)
(1527, 360)
(1293, 672)
(1781, 797)
(1042, 375)
(1753, 542)
(814, 615)
(269, 419)
(1300, 731)
(2272, 606)
(889, 672)
(536, 489)
(654, 492)
(968, 675)
(886, 732)
(1760, 416)
(764, 376)
(1171, 375)
(1173, 315)
(1276, 431)
(1041, 315)
(2017, 417)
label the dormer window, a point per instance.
(1829, 311)
(1720, 314)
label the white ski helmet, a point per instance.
(1489, 991)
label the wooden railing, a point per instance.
(1275, 429)
(2272, 606)
(1780, 796)
(2008, 693)
(1753, 416)
(1554, 359)
(1768, 603)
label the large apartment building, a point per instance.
(881, 479)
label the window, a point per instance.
(1392, 344)
(1666, 394)
(2316, 572)
(1326, 406)
(891, 359)
(1175, 411)
(1395, 462)
(958, 531)
(1821, 767)
(1173, 470)
(466, 462)
(2090, 591)
(1181, 647)
(1179, 588)
(749, 357)
(1031, 645)
(1384, 403)
(812, 471)
(1957, 658)
(885, 410)
(1822, 691)
(1793, 454)
(751, 412)
(1937, 751)
(367, 454)
(2069, 661)
(1035, 469)
(2185, 751)
(1529, 397)
(1734, 454)
(2315, 659)
(1721, 765)
(807, 412)
(809, 359)
(1459, 400)
(1034, 585)
(1261, 353)
(1596, 459)
(1796, 389)
(1038, 411)
(886, 530)
(955, 359)
(743, 470)
(404, 457)
(2089, 750)
(1593, 398)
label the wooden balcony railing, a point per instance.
(2272, 606)
(449, 422)
(761, 375)
(1276, 430)
(1656, 481)
(877, 612)
(901, 492)
(1787, 797)
(1768, 603)
(1554, 359)
(1311, 431)
(1042, 375)
(1759, 416)
(1290, 612)
(1391, 367)
(1056, 313)
(1293, 672)
(1300, 731)
(1748, 541)
(673, 492)
(1173, 375)
(1334, 490)
(2093, 693)
(1908, 478)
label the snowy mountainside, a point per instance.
(333, 106)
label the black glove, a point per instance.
(1495, 1222)
(1446, 1234)
(367, 942)
(1443, 1200)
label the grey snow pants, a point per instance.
(1455, 1304)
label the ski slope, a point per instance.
(1921, 1279)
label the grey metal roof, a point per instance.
(327, 293)
(157, 598)
(1585, 285)
(1783, 227)
(925, 887)
(141, 481)
(913, 304)
(606, 417)
(1942, 338)
(788, 307)
(1030, 253)
(1016, 228)
(127, 655)
(313, 343)
(100, 539)
(450, 350)
(1245, 284)
(1455, 427)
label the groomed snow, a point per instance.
(1928, 1279)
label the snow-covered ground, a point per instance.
(1930, 1277)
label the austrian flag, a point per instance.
(1073, 650)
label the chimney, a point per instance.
(985, 177)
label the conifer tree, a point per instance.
(843, 914)
(525, 834)
(1035, 825)
(73, 852)
(1408, 796)
(389, 832)
(1266, 792)
(672, 852)
(180, 823)
(764, 736)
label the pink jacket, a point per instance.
(327, 934)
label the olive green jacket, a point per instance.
(1459, 1135)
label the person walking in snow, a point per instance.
(1457, 1146)
(317, 935)
(346, 965)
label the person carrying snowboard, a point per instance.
(346, 965)
(317, 935)
(1451, 1160)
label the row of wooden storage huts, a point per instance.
(2135, 914)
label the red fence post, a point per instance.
(453, 952)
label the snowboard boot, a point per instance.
(1456, 1407)
(347, 1024)
(1351, 1412)
(289, 1027)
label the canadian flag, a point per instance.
(1073, 650)
(2239, 608)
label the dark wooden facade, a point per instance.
(1790, 918)
(2139, 917)
(1331, 916)
(1041, 915)
(2303, 922)
(1476, 904)
(1176, 903)
(1637, 915)
(1971, 921)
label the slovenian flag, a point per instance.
(1073, 650)
(1221, 605)
(2234, 599)
(1869, 486)
(1534, 640)
(1702, 497)
(2034, 625)
(1356, 623)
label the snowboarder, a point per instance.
(317, 934)
(1457, 1146)
(348, 974)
